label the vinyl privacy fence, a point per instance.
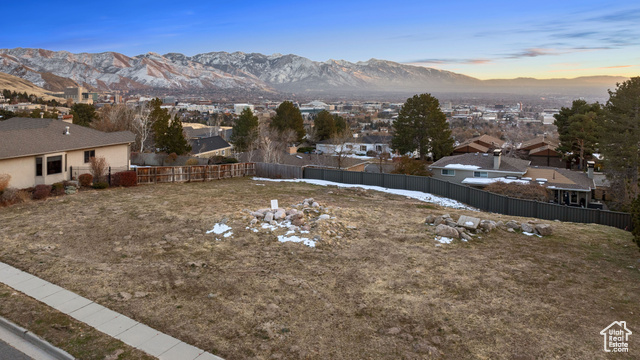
(477, 198)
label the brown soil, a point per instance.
(383, 290)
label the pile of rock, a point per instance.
(71, 187)
(272, 216)
(466, 226)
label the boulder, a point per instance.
(450, 222)
(468, 222)
(487, 225)
(268, 217)
(439, 220)
(430, 219)
(324, 217)
(257, 214)
(298, 222)
(315, 205)
(499, 224)
(544, 229)
(510, 230)
(526, 227)
(447, 231)
(511, 224)
(466, 236)
(279, 215)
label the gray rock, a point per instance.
(526, 227)
(487, 225)
(468, 222)
(450, 222)
(500, 224)
(292, 212)
(544, 229)
(279, 215)
(447, 231)
(315, 205)
(324, 217)
(511, 224)
(253, 221)
(439, 220)
(125, 295)
(430, 219)
(510, 230)
(298, 222)
(466, 236)
(268, 217)
(257, 214)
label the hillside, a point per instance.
(17, 84)
(375, 286)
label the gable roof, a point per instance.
(203, 145)
(561, 178)
(483, 162)
(545, 150)
(471, 148)
(28, 136)
(537, 142)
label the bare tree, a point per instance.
(381, 158)
(99, 167)
(343, 144)
(142, 126)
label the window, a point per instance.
(222, 152)
(480, 174)
(54, 165)
(39, 166)
(363, 147)
(448, 172)
(379, 148)
(88, 155)
(349, 146)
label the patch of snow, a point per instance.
(219, 229)
(306, 241)
(530, 234)
(487, 181)
(462, 167)
(430, 198)
(469, 223)
(443, 240)
(227, 234)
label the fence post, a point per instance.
(70, 172)
(189, 174)
(109, 178)
(173, 174)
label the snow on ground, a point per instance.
(221, 229)
(294, 238)
(443, 240)
(530, 234)
(430, 198)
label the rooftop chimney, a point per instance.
(590, 166)
(497, 154)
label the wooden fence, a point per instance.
(194, 173)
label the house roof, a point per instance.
(537, 142)
(544, 151)
(28, 136)
(561, 178)
(203, 145)
(483, 162)
(367, 139)
(471, 148)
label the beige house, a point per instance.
(43, 151)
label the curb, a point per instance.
(35, 340)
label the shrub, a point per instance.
(125, 178)
(100, 185)
(171, 158)
(229, 160)
(192, 162)
(14, 196)
(409, 166)
(4, 181)
(99, 167)
(41, 192)
(85, 180)
(520, 191)
(57, 189)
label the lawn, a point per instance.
(376, 286)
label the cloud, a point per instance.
(450, 61)
(619, 16)
(533, 52)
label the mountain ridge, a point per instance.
(275, 73)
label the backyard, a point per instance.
(375, 286)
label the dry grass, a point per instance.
(382, 291)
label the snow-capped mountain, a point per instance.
(219, 70)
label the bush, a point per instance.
(125, 178)
(41, 192)
(12, 196)
(57, 189)
(99, 167)
(306, 149)
(229, 160)
(4, 181)
(100, 185)
(192, 162)
(409, 166)
(85, 180)
(520, 191)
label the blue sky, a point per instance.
(484, 39)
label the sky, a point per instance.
(484, 39)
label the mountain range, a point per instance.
(55, 70)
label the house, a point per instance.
(480, 144)
(209, 146)
(43, 151)
(542, 152)
(479, 166)
(362, 145)
(573, 188)
(309, 160)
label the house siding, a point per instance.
(23, 169)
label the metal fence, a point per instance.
(278, 171)
(477, 198)
(165, 174)
(75, 171)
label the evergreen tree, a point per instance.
(325, 125)
(83, 114)
(422, 126)
(245, 130)
(288, 117)
(620, 140)
(340, 123)
(176, 142)
(160, 119)
(578, 130)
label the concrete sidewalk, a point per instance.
(107, 321)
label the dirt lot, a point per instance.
(383, 290)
